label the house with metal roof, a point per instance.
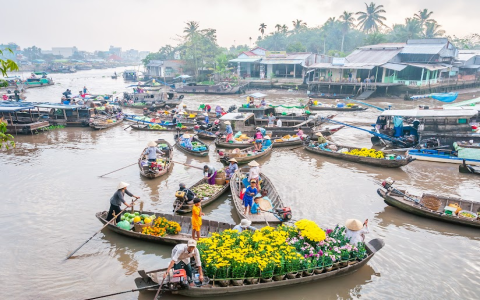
(248, 63)
(468, 63)
(165, 68)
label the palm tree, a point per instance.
(278, 27)
(284, 29)
(298, 25)
(191, 28)
(262, 28)
(432, 30)
(347, 20)
(370, 20)
(413, 28)
(423, 16)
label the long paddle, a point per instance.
(159, 289)
(118, 169)
(124, 292)
(98, 232)
(186, 165)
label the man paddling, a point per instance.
(181, 255)
(117, 200)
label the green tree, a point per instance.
(423, 16)
(284, 29)
(371, 19)
(191, 28)
(298, 25)
(32, 52)
(6, 65)
(347, 21)
(375, 38)
(432, 30)
(296, 47)
(278, 27)
(403, 32)
(262, 28)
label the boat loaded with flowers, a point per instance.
(269, 258)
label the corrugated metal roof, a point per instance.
(465, 55)
(422, 49)
(395, 67)
(470, 67)
(58, 106)
(385, 46)
(424, 113)
(430, 67)
(244, 60)
(281, 61)
(442, 41)
(374, 57)
(321, 66)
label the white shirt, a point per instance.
(356, 236)
(254, 173)
(279, 123)
(180, 253)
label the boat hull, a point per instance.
(442, 158)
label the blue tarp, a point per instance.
(443, 97)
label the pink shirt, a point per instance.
(258, 136)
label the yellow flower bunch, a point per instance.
(366, 153)
(162, 227)
(310, 230)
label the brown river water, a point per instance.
(50, 191)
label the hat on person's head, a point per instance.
(227, 122)
(152, 144)
(353, 224)
(318, 133)
(186, 136)
(245, 223)
(205, 114)
(197, 200)
(267, 137)
(253, 164)
(232, 160)
(192, 243)
(122, 185)
(182, 184)
(258, 128)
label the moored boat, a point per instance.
(396, 161)
(286, 141)
(202, 148)
(203, 134)
(19, 118)
(100, 123)
(433, 206)
(163, 164)
(244, 155)
(443, 156)
(464, 168)
(147, 127)
(180, 206)
(208, 226)
(220, 142)
(334, 108)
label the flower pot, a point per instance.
(292, 275)
(307, 273)
(343, 263)
(222, 283)
(278, 277)
(328, 268)
(266, 279)
(352, 262)
(319, 270)
(237, 282)
(336, 265)
(251, 280)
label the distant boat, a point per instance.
(443, 156)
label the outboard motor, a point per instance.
(387, 184)
(284, 214)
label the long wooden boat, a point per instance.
(142, 106)
(146, 127)
(203, 134)
(344, 109)
(99, 124)
(185, 208)
(379, 162)
(148, 280)
(399, 200)
(278, 144)
(208, 226)
(191, 152)
(464, 168)
(443, 156)
(236, 187)
(148, 172)
(222, 143)
(243, 156)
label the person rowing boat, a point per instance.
(181, 255)
(117, 200)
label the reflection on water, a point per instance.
(51, 190)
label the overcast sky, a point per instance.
(149, 24)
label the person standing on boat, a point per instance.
(258, 140)
(245, 224)
(210, 174)
(117, 200)
(254, 172)
(356, 231)
(271, 120)
(279, 122)
(228, 131)
(250, 192)
(206, 119)
(218, 111)
(231, 168)
(17, 95)
(181, 255)
(85, 90)
(152, 151)
(263, 103)
(208, 108)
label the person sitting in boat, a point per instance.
(271, 120)
(321, 138)
(218, 111)
(356, 230)
(263, 103)
(209, 173)
(189, 195)
(310, 102)
(300, 133)
(267, 142)
(232, 167)
(208, 108)
(279, 123)
(181, 255)
(245, 224)
(117, 200)
(258, 140)
(228, 131)
(152, 151)
(186, 142)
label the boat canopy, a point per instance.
(256, 95)
(58, 106)
(471, 102)
(236, 117)
(11, 106)
(431, 113)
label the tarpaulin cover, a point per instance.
(443, 97)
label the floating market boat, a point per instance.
(149, 281)
(272, 204)
(203, 134)
(202, 190)
(195, 141)
(444, 156)
(330, 96)
(20, 118)
(100, 123)
(286, 141)
(38, 82)
(244, 156)
(464, 168)
(208, 226)
(220, 142)
(148, 127)
(67, 115)
(223, 88)
(200, 114)
(392, 160)
(462, 212)
(163, 164)
(335, 108)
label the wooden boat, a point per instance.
(114, 76)
(199, 114)
(142, 106)
(194, 153)
(379, 162)
(222, 143)
(185, 208)
(444, 156)
(148, 281)
(102, 123)
(431, 206)
(236, 187)
(147, 171)
(242, 157)
(344, 109)
(464, 168)
(278, 144)
(208, 226)
(145, 127)
(330, 96)
(203, 134)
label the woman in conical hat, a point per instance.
(356, 231)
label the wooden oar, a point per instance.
(118, 169)
(98, 231)
(124, 292)
(127, 127)
(159, 289)
(186, 165)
